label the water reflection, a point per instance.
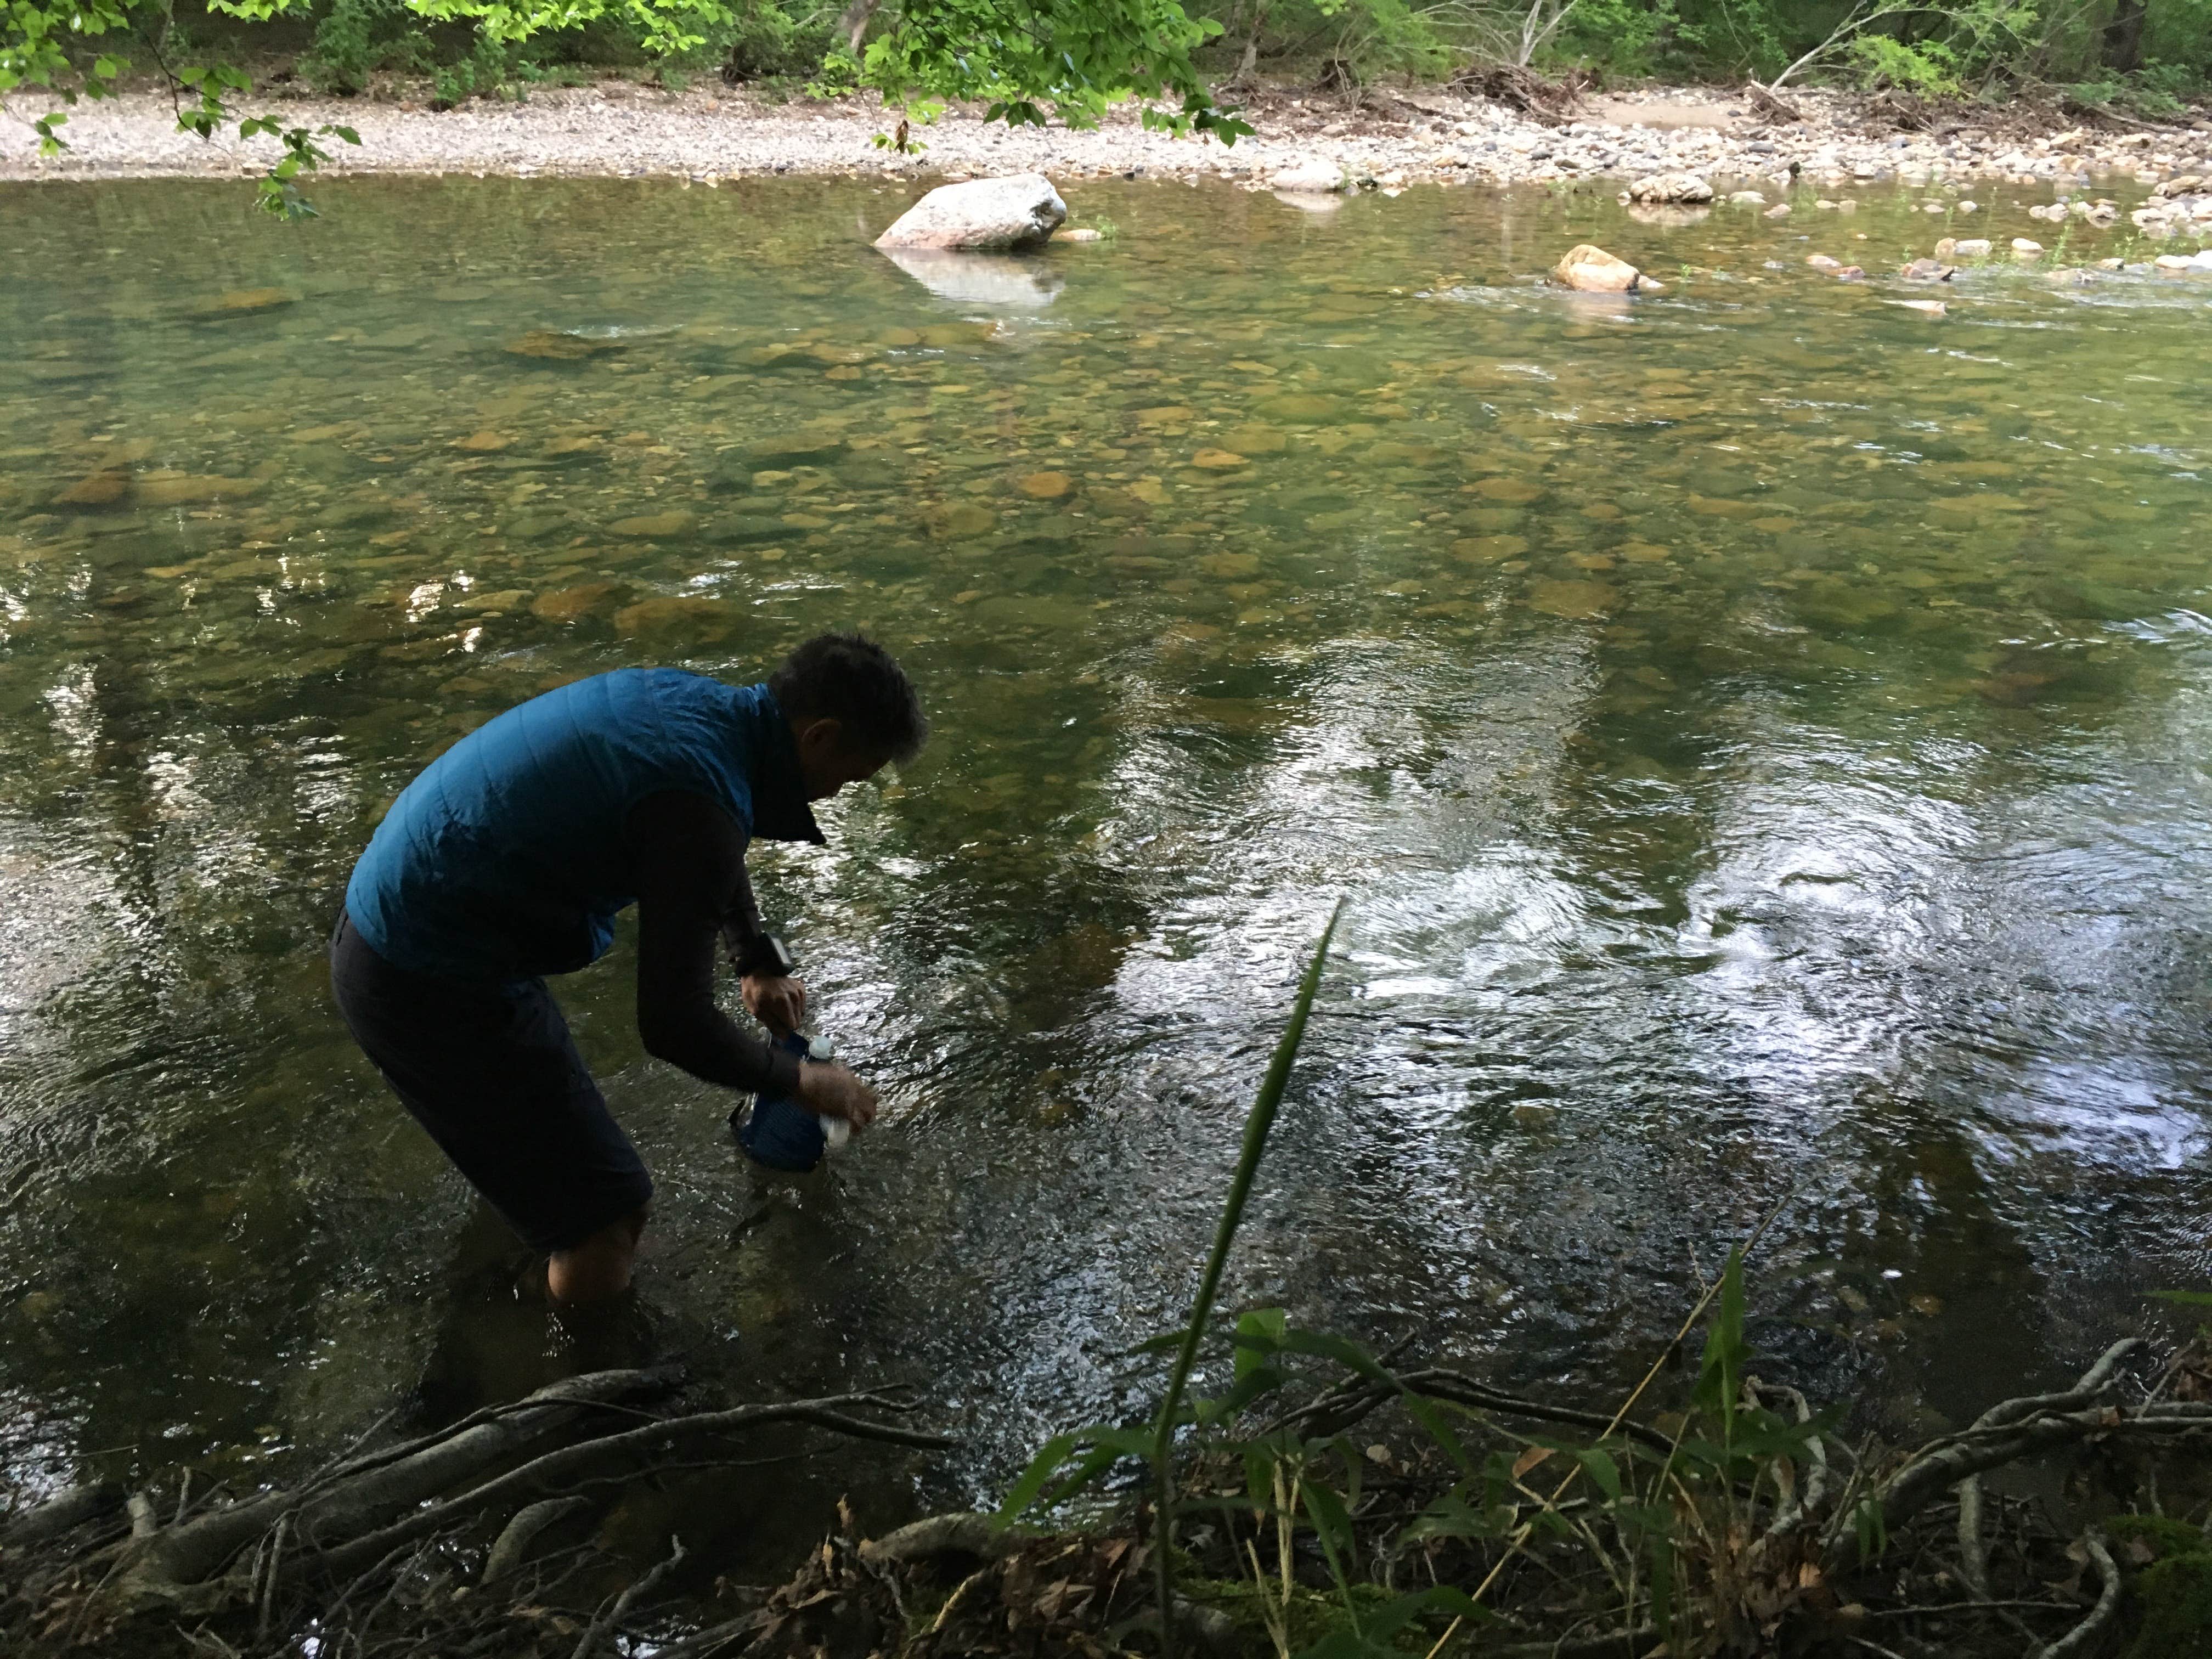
(1753, 728)
(980, 279)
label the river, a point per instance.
(1759, 730)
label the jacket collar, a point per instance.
(780, 809)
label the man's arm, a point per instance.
(689, 857)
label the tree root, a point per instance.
(184, 1566)
(2086, 1636)
(2005, 1433)
(1339, 1408)
(385, 1517)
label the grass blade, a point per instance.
(1257, 1125)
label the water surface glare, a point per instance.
(1760, 730)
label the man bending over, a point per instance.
(508, 858)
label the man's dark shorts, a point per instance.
(489, 1069)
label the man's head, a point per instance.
(851, 709)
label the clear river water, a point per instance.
(1759, 730)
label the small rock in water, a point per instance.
(1747, 198)
(1081, 234)
(1972, 248)
(1927, 270)
(1779, 210)
(557, 346)
(1969, 206)
(1946, 248)
(2026, 249)
(482, 442)
(983, 215)
(1928, 307)
(1822, 262)
(1659, 187)
(1593, 271)
(1218, 459)
(1043, 486)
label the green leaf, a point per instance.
(1259, 1333)
(1597, 1463)
(2184, 1298)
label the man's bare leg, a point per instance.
(599, 1266)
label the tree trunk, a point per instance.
(2124, 35)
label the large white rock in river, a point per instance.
(983, 215)
(1595, 271)
(1312, 175)
(1672, 187)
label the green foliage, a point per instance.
(2171, 1598)
(1028, 59)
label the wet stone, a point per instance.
(652, 524)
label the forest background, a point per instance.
(1040, 59)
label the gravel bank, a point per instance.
(713, 133)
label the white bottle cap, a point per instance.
(820, 1049)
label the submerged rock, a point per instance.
(175, 489)
(1593, 271)
(251, 299)
(553, 345)
(673, 612)
(983, 215)
(100, 489)
(650, 525)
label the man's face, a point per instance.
(826, 764)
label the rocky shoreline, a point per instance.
(712, 133)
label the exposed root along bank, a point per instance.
(478, 1540)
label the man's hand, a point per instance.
(833, 1092)
(775, 1001)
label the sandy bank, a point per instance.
(715, 132)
